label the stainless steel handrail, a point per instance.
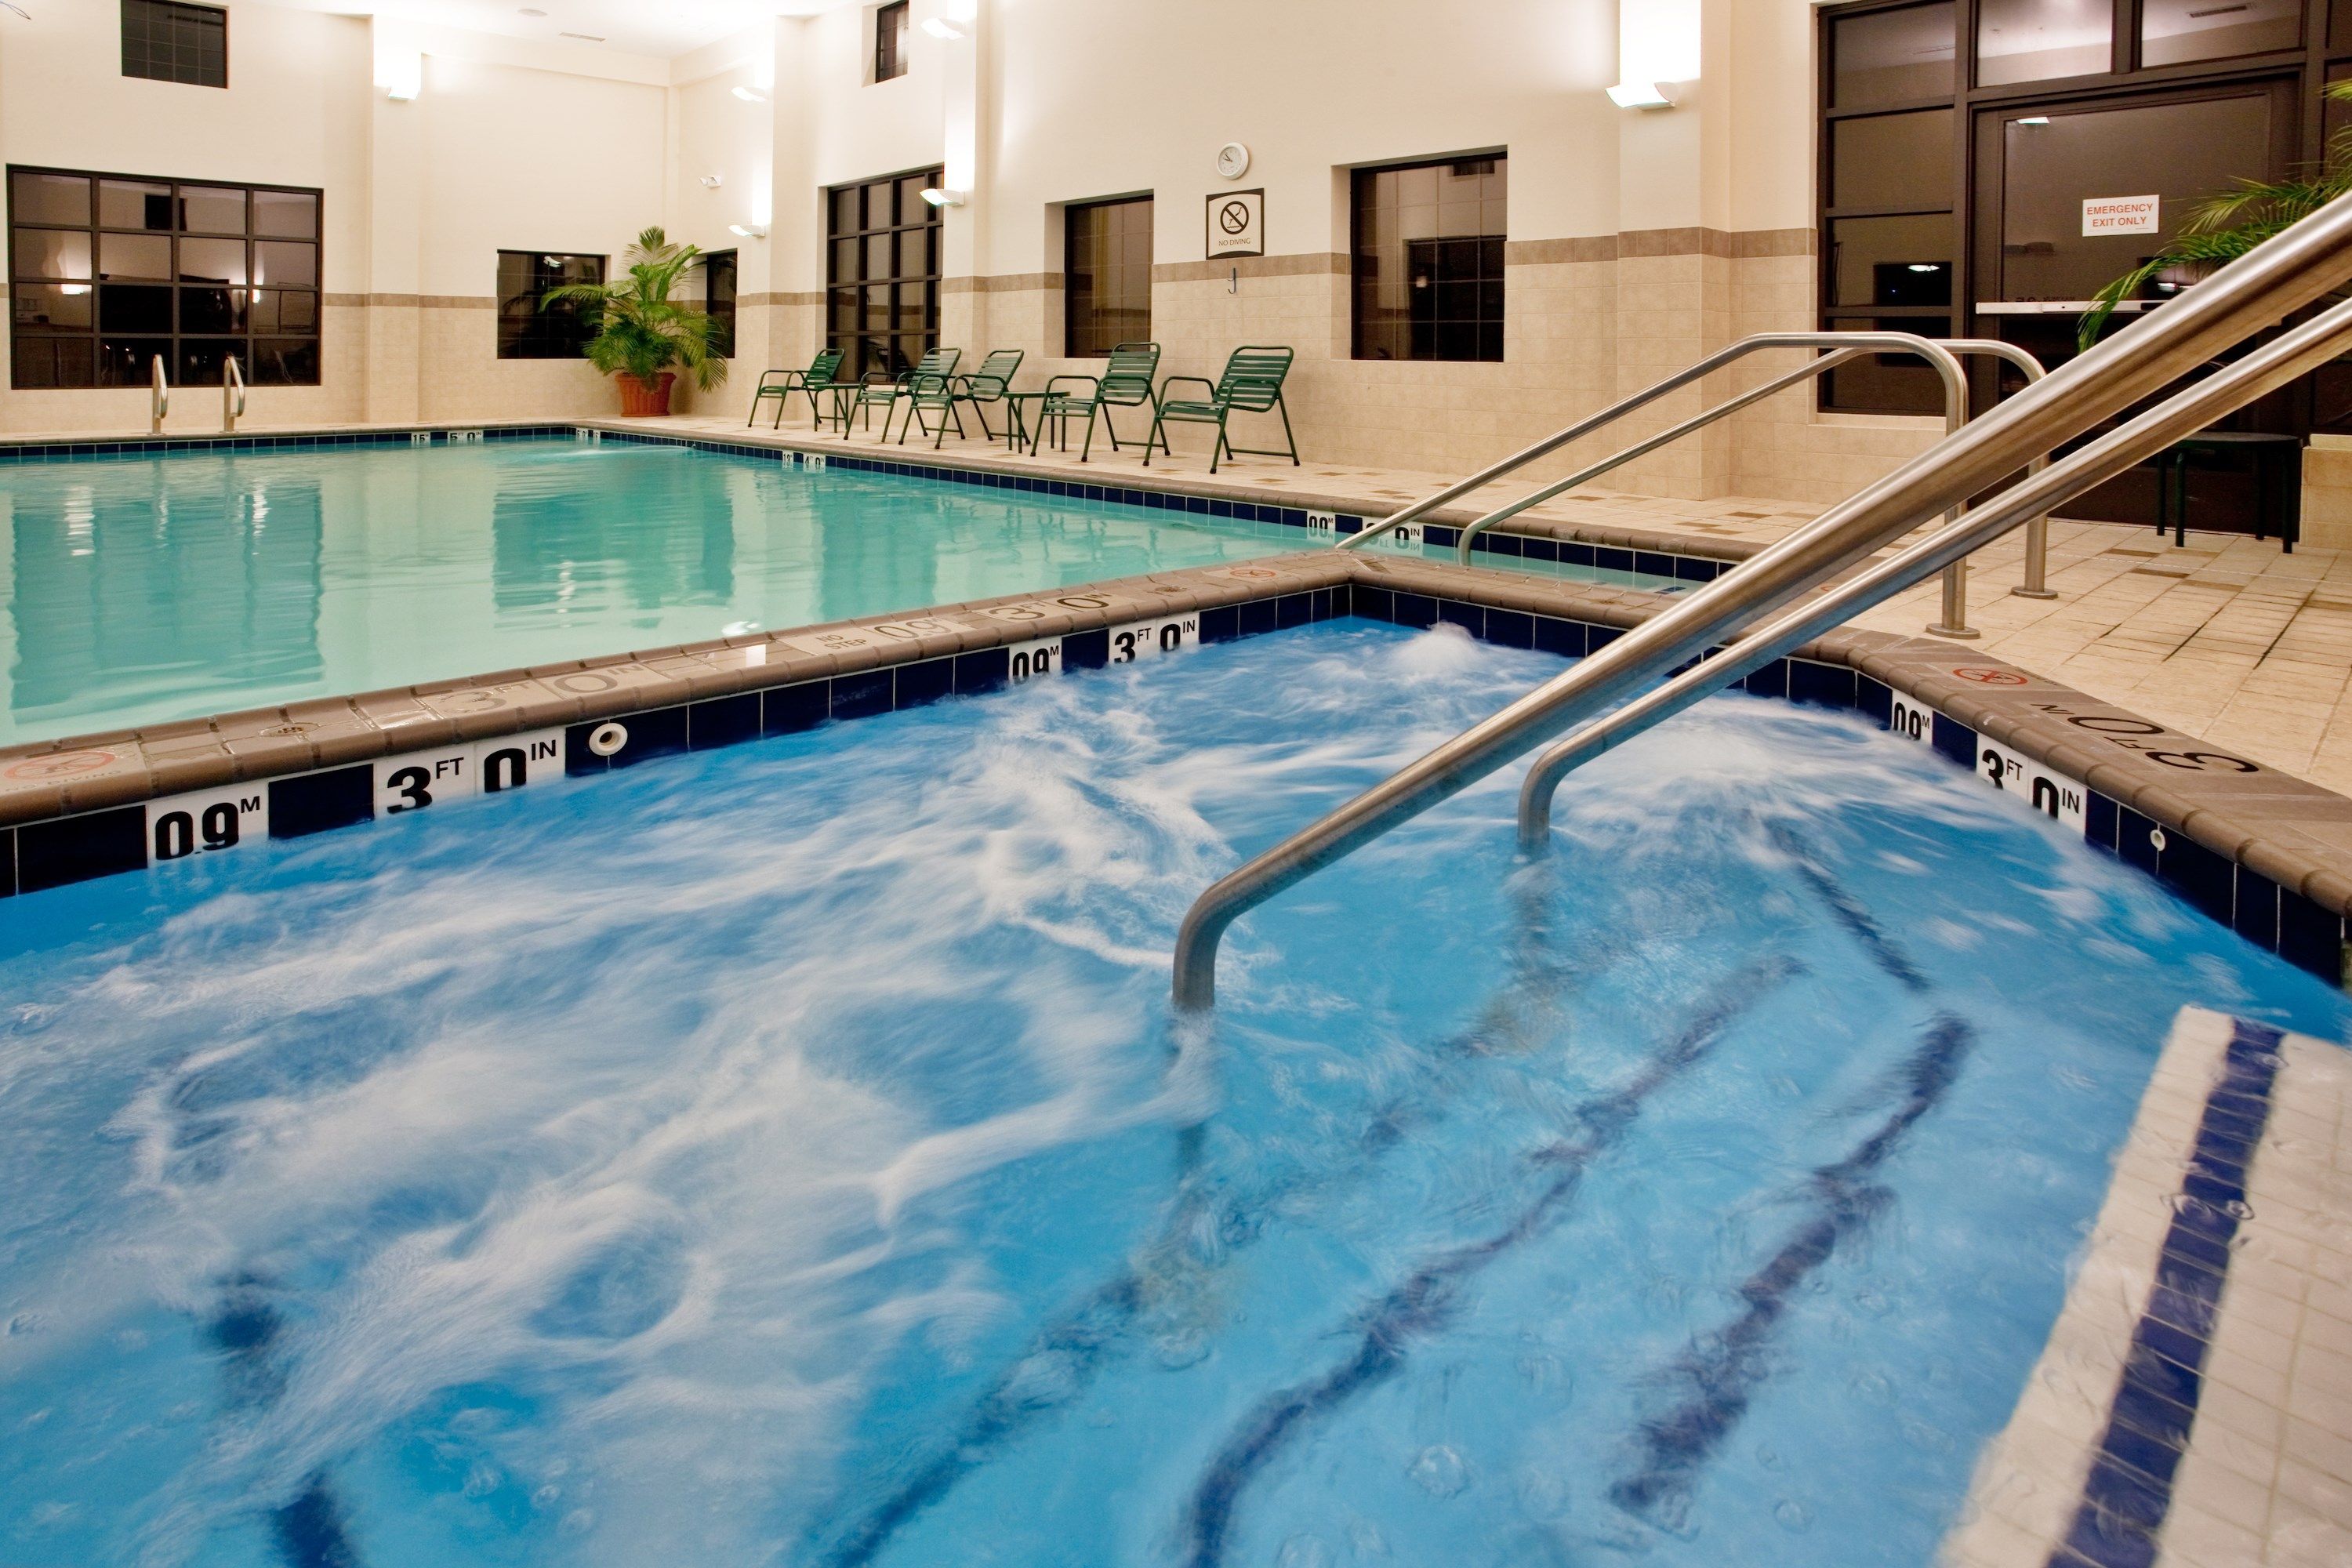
(232, 394)
(2286, 273)
(2265, 370)
(1841, 347)
(1947, 367)
(159, 400)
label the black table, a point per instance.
(2278, 463)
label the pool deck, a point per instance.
(2194, 1407)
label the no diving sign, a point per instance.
(1236, 224)
(2120, 214)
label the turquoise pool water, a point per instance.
(783, 1155)
(142, 589)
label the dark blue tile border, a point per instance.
(166, 445)
(2129, 1490)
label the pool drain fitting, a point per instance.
(606, 739)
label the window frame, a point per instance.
(1077, 336)
(174, 11)
(174, 340)
(524, 344)
(893, 26)
(856, 341)
(1359, 177)
(2128, 79)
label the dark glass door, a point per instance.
(2070, 194)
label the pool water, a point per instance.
(786, 1155)
(138, 590)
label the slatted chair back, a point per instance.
(994, 376)
(935, 363)
(1127, 379)
(824, 367)
(1252, 378)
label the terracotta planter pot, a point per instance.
(645, 399)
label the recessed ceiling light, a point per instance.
(583, 37)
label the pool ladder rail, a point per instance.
(158, 396)
(232, 394)
(2293, 269)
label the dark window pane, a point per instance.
(128, 361)
(50, 199)
(66, 306)
(281, 261)
(211, 260)
(1886, 383)
(2173, 32)
(876, 252)
(134, 255)
(844, 253)
(891, 41)
(203, 360)
(52, 253)
(1892, 161)
(134, 204)
(869, 323)
(526, 330)
(1107, 287)
(45, 361)
(1889, 57)
(2339, 24)
(911, 206)
(282, 311)
(719, 299)
(134, 307)
(2035, 40)
(286, 215)
(841, 313)
(210, 209)
(1891, 260)
(167, 40)
(212, 310)
(843, 218)
(284, 362)
(1429, 274)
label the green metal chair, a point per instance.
(1252, 384)
(808, 383)
(933, 369)
(1125, 383)
(985, 385)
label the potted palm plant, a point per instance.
(2225, 226)
(643, 335)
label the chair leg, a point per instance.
(1090, 432)
(1288, 438)
(1219, 444)
(1153, 398)
(1156, 435)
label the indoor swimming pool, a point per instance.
(139, 589)
(785, 1154)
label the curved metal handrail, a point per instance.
(2313, 343)
(158, 398)
(232, 394)
(2282, 275)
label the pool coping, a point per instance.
(2256, 849)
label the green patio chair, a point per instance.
(808, 383)
(983, 386)
(933, 369)
(1252, 384)
(1125, 383)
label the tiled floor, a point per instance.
(2230, 638)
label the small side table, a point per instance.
(1031, 410)
(2277, 465)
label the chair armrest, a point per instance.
(1194, 380)
(1093, 385)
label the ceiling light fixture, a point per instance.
(751, 95)
(940, 199)
(940, 27)
(1639, 95)
(531, 11)
(583, 37)
(2035, 119)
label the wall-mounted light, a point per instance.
(712, 181)
(401, 73)
(749, 230)
(751, 95)
(1639, 95)
(940, 199)
(940, 27)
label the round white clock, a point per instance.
(1233, 160)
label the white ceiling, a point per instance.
(664, 28)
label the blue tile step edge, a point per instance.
(90, 449)
(2085, 1473)
(2260, 851)
(2253, 849)
(1685, 558)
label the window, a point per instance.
(559, 331)
(882, 272)
(165, 40)
(1428, 244)
(1107, 275)
(891, 41)
(108, 272)
(717, 273)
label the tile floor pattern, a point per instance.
(2229, 638)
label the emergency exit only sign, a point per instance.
(2119, 215)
